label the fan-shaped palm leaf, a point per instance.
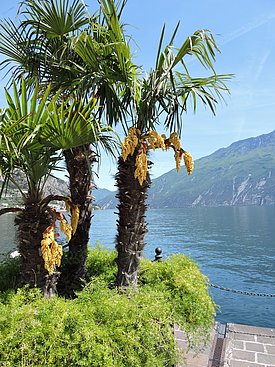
(19, 136)
(54, 17)
(73, 124)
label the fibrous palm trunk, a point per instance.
(32, 222)
(78, 161)
(131, 224)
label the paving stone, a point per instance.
(238, 344)
(182, 344)
(254, 347)
(242, 347)
(244, 337)
(200, 360)
(265, 340)
(270, 349)
(192, 359)
(243, 355)
(266, 358)
(243, 364)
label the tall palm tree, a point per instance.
(84, 56)
(74, 129)
(163, 94)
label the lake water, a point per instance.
(233, 246)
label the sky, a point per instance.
(245, 33)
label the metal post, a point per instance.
(158, 255)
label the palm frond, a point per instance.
(56, 18)
(168, 90)
(71, 124)
(20, 130)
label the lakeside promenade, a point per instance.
(232, 345)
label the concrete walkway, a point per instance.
(231, 345)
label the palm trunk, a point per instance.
(32, 222)
(131, 223)
(78, 161)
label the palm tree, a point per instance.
(74, 129)
(31, 134)
(84, 56)
(165, 94)
(21, 151)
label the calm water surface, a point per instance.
(234, 247)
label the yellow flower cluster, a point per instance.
(74, 218)
(130, 143)
(174, 142)
(68, 204)
(174, 139)
(74, 210)
(188, 161)
(141, 167)
(134, 140)
(66, 229)
(155, 140)
(51, 251)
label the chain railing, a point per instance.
(228, 330)
(245, 293)
(158, 257)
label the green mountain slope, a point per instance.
(242, 174)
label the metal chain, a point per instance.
(241, 292)
(247, 333)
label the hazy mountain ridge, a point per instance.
(12, 197)
(241, 174)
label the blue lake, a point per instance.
(233, 246)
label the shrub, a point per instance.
(187, 292)
(9, 274)
(101, 263)
(99, 328)
(102, 327)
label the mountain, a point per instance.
(12, 196)
(104, 198)
(241, 174)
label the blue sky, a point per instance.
(245, 33)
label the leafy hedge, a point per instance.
(9, 274)
(102, 327)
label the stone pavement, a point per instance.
(231, 345)
(190, 359)
(249, 346)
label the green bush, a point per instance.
(99, 328)
(9, 274)
(101, 263)
(102, 327)
(187, 291)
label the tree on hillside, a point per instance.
(86, 57)
(162, 95)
